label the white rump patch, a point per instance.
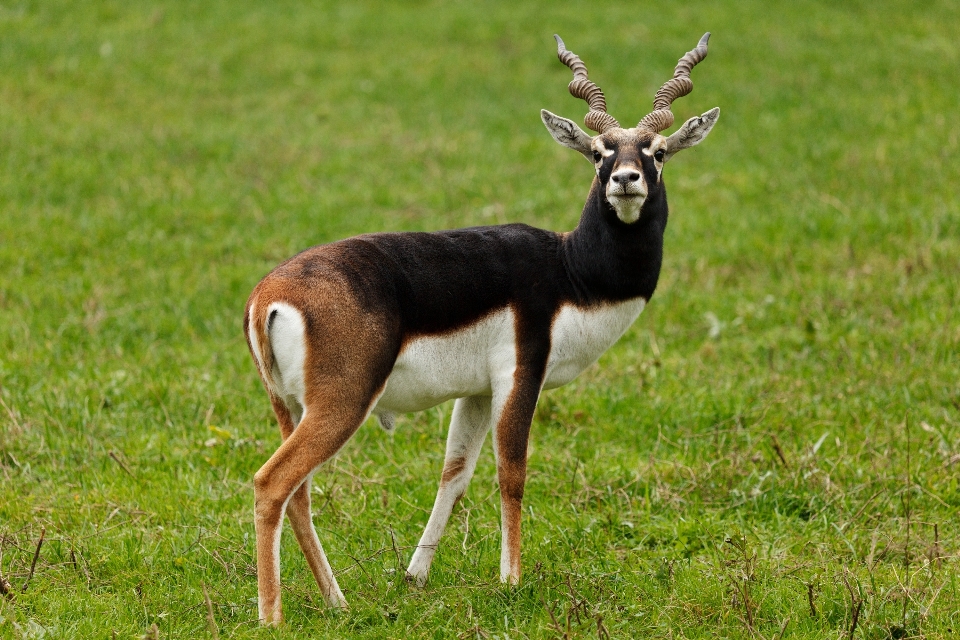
(287, 335)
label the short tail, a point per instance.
(257, 328)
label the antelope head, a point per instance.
(629, 162)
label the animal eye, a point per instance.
(659, 155)
(597, 157)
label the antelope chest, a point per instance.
(474, 360)
(580, 335)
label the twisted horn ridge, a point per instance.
(581, 87)
(679, 85)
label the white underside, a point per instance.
(464, 363)
(471, 362)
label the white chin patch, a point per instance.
(628, 209)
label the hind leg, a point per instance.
(320, 434)
(468, 428)
(298, 512)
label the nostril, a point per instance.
(623, 177)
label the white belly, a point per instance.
(580, 336)
(437, 368)
(433, 369)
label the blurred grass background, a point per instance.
(771, 451)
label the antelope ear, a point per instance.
(692, 132)
(567, 133)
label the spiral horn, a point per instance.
(679, 85)
(581, 87)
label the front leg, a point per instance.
(511, 433)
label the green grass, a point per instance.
(157, 159)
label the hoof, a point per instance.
(336, 601)
(270, 616)
(273, 621)
(415, 580)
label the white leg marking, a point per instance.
(271, 617)
(503, 388)
(302, 524)
(468, 427)
(505, 559)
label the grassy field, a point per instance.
(772, 451)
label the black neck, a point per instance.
(608, 260)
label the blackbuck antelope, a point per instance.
(390, 323)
